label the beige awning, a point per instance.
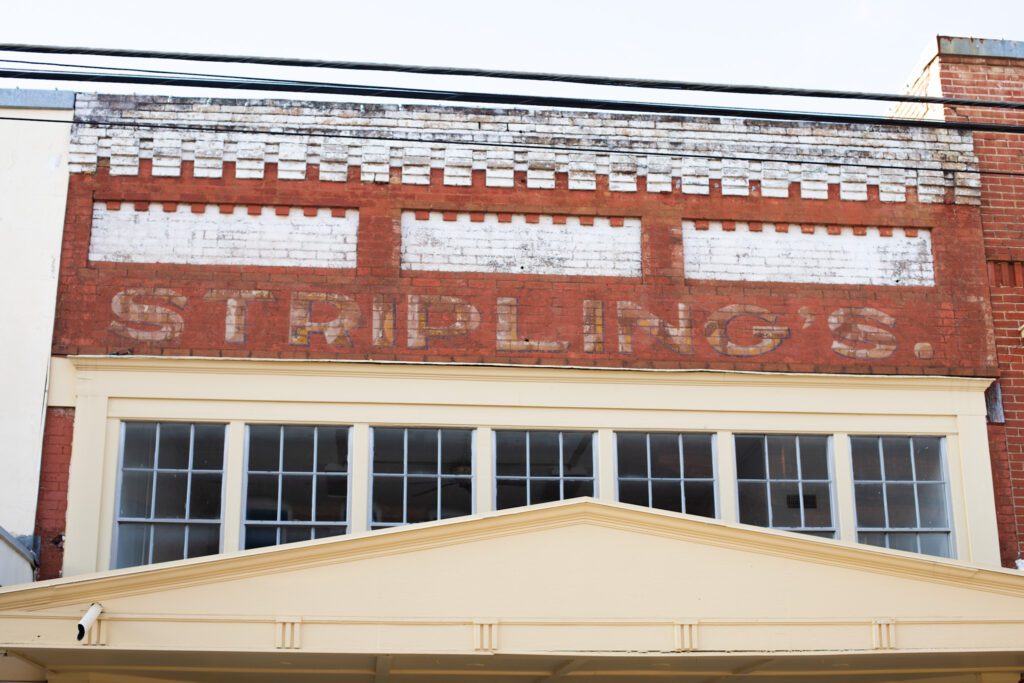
(574, 590)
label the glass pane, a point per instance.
(817, 506)
(665, 456)
(388, 499)
(208, 448)
(928, 458)
(174, 443)
(870, 506)
(782, 457)
(818, 534)
(906, 542)
(931, 498)
(785, 504)
(872, 538)
(332, 449)
(422, 504)
(203, 540)
(298, 449)
(328, 531)
(896, 454)
(935, 544)
(294, 534)
(132, 545)
(296, 498)
(750, 457)
(700, 498)
(168, 542)
(814, 457)
(204, 502)
(423, 451)
(456, 451)
(511, 493)
(171, 489)
(261, 497)
(136, 493)
(544, 491)
(667, 495)
(634, 492)
(511, 454)
(388, 450)
(865, 459)
(139, 445)
(456, 497)
(753, 503)
(544, 455)
(577, 454)
(264, 448)
(631, 452)
(697, 459)
(331, 498)
(900, 501)
(576, 488)
(260, 536)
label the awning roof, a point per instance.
(580, 587)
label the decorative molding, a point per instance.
(485, 635)
(490, 372)
(743, 156)
(402, 540)
(288, 633)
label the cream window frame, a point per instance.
(106, 390)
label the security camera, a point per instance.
(89, 619)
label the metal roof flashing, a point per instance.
(16, 98)
(981, 47)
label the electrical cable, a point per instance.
(645, 83)
(388, 92)
(438, 141)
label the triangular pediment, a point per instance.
(568, 577)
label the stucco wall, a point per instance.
(34, 182)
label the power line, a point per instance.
(645, 83)
(465, 142)
(388, 92)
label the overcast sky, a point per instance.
(870, 45)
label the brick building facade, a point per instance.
(284, 321)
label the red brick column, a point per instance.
(53, 490)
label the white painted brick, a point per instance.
(156, 236)
(541, 248)
(786, 148)
(794, 256)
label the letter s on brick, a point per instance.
(148, 314)
(849, 326)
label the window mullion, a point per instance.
(767, 483)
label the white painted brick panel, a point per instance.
(818, 257)
(379, 138)
(542, 248)
(125, 235)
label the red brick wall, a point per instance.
(53, 490)
(1002, 215)
(951, 318)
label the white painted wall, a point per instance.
(33, 192)
(846, 258)
(202, 234)
(488, 245)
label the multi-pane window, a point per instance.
(421, 475)
(539, 467)
(784, 482)
(169, 505)
(900, 491)
(668, 471)
(296, 485)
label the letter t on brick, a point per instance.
(236, 304)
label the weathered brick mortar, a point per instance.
(744, 156)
